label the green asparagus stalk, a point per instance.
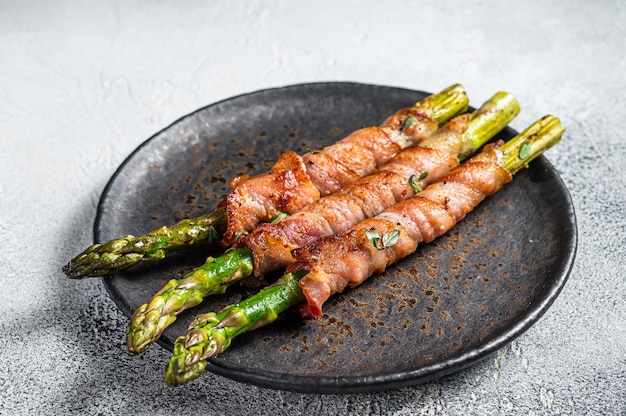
(211, 334)
(444, 105)
(487, 121)
(150, 320)
(115, 255)
(119, 254)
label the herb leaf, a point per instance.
(388, 240)
(524, 151)
(374, 238)
(278, 217)
(414, 179)
(408, 122)
(391, 238)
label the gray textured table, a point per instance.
(84, 83)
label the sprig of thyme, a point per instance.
(408, 122)
(524, 151)
(388, 239)
(414, 181)
(278, 217)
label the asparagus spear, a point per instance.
(108, 258)
(150, 319)
(115, 255)
(211, 334)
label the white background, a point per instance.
(84, 83)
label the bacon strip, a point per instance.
(272, 244)
(346, 260)
(296, 181)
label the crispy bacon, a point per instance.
(272, 244)
(285, 188)
(297, 181)
(346, 260)
(360, 153)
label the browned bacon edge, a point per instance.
(346, 260)
(296, 181)
(272, 244)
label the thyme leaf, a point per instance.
(408, 122)
(414, 181)
(388, 240)
(278, 217)
(374, 238)
(391, 238)
(524, 151)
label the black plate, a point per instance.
(451, 304)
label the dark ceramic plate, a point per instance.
(451, 304)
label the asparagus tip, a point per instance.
(183, 366)
(191, 352)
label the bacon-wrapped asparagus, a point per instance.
(407, 173)
(294, 182)
(334, 263)
(291, 184)
(269, 246)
